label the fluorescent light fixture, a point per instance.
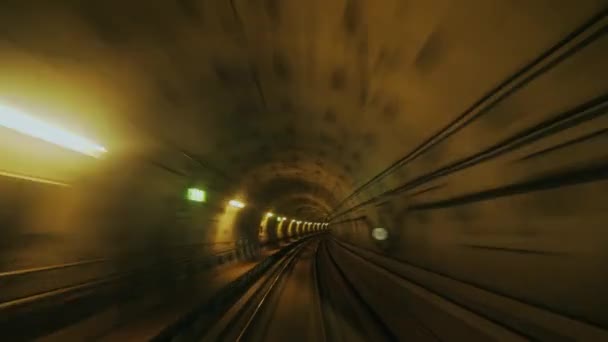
(196, 195)
(236, 204)
(16, 120)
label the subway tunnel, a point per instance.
(331, 170)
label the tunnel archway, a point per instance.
(272, 226)
(480, 152)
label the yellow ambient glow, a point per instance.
(236, 204)
(18, 121)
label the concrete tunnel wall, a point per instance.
(511, 196)
(480, 125)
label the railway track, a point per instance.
(278, 305)
(305, 297)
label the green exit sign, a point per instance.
(196, 195)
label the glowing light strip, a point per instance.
(237, 204)
(18, 121)
(32, 179)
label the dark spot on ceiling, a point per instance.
(273, 10)
(430, 53)
(434, 154)
(245, 108)
(105, 26)
(190, 8)
(369, 139)
(326, 139)
(381, 59)
(338, 79)
(277, 139)
(290, 129)
(344, 135)
(352, 16)
(231, 75)
(363, 94)
(375, 99)
(168, 92)
(390, 110)
(402, 172)
(422, 217)
(363, 50)
(255, 134)
(286, 106)
(281, 67)
(461, 214)
(388, 60)
(264, 149)
(229, 24)
(330, 116)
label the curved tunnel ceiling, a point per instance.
(297, 103)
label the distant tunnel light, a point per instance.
(269, 214)
(196, 195)
(380, 234)
(236, 204)
(18, 121)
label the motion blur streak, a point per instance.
(15, 119)
(31, 178)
